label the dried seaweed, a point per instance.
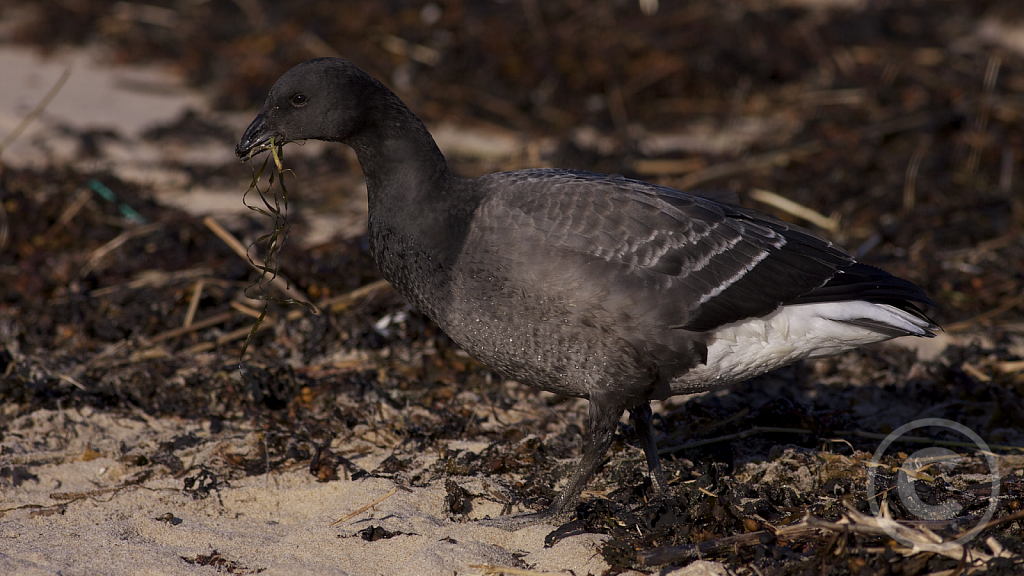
(269, 269)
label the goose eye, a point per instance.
(299, 99)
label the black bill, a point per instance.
(255, 138)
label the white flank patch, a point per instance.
(754, 346)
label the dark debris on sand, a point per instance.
(899, 119)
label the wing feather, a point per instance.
(684, 261)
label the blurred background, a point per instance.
(900, 120)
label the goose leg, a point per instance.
(604, 419)
(643, 423)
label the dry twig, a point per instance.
(23, 125)
(197, 292)
(116, 243)
(986, 316)
(365, 508)
(798, 210)
(279, 281)
(155, 278)
(764, 160)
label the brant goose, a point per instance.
(584, 284)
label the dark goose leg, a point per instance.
(645, 432)
(604, 419)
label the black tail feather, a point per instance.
(862, 282)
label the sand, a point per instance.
(71, 507)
